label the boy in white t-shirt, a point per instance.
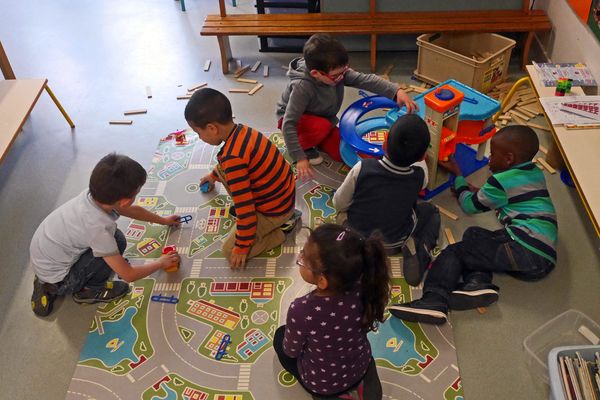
(78, 246)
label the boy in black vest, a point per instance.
(382, 195)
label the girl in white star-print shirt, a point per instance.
(324, 342)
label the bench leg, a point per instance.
(60, 107)
(526, 47)
(225, 50)
(373, 52)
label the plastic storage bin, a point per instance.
(479, 60)
(556, 386)
(571, 328)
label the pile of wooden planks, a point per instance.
(520, 109)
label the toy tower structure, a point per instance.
(441, 115)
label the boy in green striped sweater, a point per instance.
(461, 277)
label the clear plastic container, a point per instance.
(571, 328)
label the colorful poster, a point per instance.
(594, 18)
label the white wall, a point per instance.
(570, 40)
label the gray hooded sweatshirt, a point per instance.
(306, 95)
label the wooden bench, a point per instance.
(17, 98)
(373, 23)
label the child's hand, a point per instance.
(172, 220)
(451, 166)
(211, 182)
(237, 260)
(304, 170)
(403, 99)
(170, 260)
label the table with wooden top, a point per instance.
(17, 98)
(580, 151)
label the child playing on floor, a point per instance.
(259, 180)
(78, 246)
(393, 184)
(524, 248)
(307, 111)
(324, 342)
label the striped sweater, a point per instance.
(259, 179)
(523, 206)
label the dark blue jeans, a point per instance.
(90, 271)
(483, 252)
(427, 229)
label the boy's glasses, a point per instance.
(336, 77)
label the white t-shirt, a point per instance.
(69, 231)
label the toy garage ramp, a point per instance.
(455, 124)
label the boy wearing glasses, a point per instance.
(309, 105)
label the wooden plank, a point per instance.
(465, 16)
(382, 22)
(17, 98)
(519, 120)
(519, 114)
(449, 236)
(120, 122)
(532, 109)
(255, 66)
(138, 111)
(417, 89)
(255, 89)
(244, 80)
(543, 149)
(547, 166)
(346, 29)
(207, 65)
(385, 18)
(584, 126)
(196, 87)
(523, 111)
(184, 97)
(447, 213)
(266, 71)
(510, 104)
(532, 125)
(238, 90)
(241, 71)
(148, 92)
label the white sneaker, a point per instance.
(314, 158)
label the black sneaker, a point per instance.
(112, 290)
(472, 295)
(411, 267)
(42, 298)
(313, 156)
(429, 311)
(290, 224)
(232, 211)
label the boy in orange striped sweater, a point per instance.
(254, 172)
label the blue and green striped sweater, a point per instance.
(523, 205)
